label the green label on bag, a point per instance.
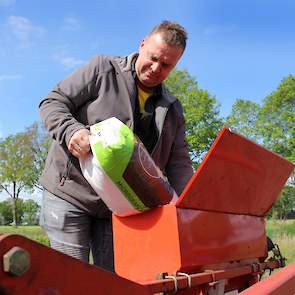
(113, 152)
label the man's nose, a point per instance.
(156, 67)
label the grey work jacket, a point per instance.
(102, 89)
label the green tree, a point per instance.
(243, 118)
(285, 202)
(6, 216)
(21, 162)
(201, 112)
(277, 117)
(31, 211)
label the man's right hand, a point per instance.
(79, 144)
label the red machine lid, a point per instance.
(236, 176)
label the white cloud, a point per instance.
(71, 24)
(68, 61)
(24, 30)
(10, 77)
(6, 2)
(219, 29)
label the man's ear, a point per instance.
(142, 43)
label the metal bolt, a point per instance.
(16, 261)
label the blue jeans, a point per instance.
(74, 232)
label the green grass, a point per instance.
(282, 232)
(32, 232)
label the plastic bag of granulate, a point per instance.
(121, 171)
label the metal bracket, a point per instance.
(278, 254)
(212, 274)
(256, 268)
(189, 279)
(175, 282)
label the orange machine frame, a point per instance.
(218, 221)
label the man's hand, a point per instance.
(79, 144)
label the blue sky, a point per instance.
(236, 49)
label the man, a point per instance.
(131, 89)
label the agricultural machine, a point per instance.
(212, 240)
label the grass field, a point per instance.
(281, 232)
(33, 232)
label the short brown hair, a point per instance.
(173, 33)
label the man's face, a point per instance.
(156, 60)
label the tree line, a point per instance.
(271, 124)
(28, 212)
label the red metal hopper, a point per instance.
(216, 222)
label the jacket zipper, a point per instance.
(66, 171)
(160, 133)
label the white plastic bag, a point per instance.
(121, 171)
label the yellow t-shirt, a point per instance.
(142, 98)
